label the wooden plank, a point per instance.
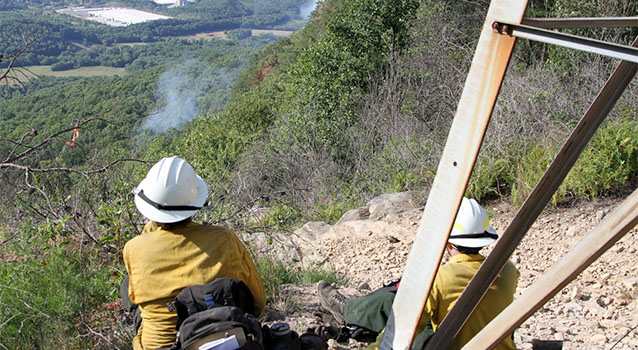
(613, 227)
(534, 204)
(464, 141)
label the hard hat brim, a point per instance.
(473, 242)
(170, 216)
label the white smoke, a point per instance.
(306, 8)
(177, 93)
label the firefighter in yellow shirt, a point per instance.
(471, 232)
(173, 252)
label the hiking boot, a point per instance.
(331, 300)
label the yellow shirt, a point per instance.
(161, 263)
(449, 283)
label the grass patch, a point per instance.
(275, 274)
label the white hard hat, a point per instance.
(472, 226)
(171, 191)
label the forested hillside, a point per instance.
(355, 104)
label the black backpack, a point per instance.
(218, 323)
(219, 309)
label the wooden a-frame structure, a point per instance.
(504, 22)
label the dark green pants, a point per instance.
(372, 311)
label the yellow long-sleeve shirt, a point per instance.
(449, 283)
(161, 263)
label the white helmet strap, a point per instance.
(140, 193)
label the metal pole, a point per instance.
(581, 22)
(622, 52)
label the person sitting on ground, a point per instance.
(471, 232)
(173, 252)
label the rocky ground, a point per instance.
(370, 245)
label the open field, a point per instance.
(32, 71)
(206, 36)
(256, 32)
(116, 17)
(222, 34)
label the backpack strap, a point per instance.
(191, 308)
(210, 302)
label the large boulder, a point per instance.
(307, 239)
(275, 246)
(362, 213)
(390, 203)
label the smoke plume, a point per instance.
(178, 94)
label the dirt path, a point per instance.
(593, 312)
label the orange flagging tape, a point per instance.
(74, 136)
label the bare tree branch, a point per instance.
(17, 144)
(100, 335)
(9, 73)
(46, 197)
(46, 140)
(84, 173)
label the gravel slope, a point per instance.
(593, 312)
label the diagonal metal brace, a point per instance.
(621, 52)
(581, 22)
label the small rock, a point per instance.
(630, 283)
(618, 249)
(572, 307)
(602, 302)
(364, 286)
(598, 339)
(574, 293)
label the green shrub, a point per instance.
(331, 212)
(49, 293)
(609, 162)
(490, 178)
(282, 216)
(530, 169)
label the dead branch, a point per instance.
(20, 143)
(46, 197)
(12, 58)
(46, 140)
(84, 173)
(100, 335)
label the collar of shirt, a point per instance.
(459, 258)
